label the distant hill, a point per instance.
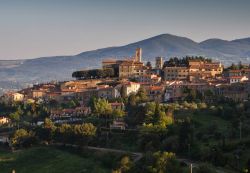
(243, 41)
(166, 45)
(237, 48)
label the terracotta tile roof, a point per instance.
(131, 62)
(144, 83)
(236, 77)
(194, 66)
(68, 110)
(177, 67)
(156, 77)
(69, 90)
(116, 104)
(109, 61)
(234, 71)
(155, 88)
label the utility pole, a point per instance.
(107, 138)
(238, 161)
(189, 151)
(191, 168)
(240, 129)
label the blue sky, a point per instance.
(35, 28)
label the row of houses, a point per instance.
(237, 76)
(193, 70)
(162, 83)
(200, 69)
(65, 91)
(156, 90)
(134, 68)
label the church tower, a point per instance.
(138, 54)
(158, 63)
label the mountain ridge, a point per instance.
(166, 45)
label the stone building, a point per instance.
(176, 73)
(127, 68)
(158, 62)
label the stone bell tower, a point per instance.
(138, 54)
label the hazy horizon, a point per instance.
(32, 29)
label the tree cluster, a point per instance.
(172, 62)
(80, 134)
(28, 113)
(159, 162)
(140, 97)
(238, 66)
(93, 74)
(102, 108)
(23, 138)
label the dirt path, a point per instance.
(137, 156)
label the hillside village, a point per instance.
(182, 106)
(167, 81)
(127, 86)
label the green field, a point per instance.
(205, 119)
(52, 160)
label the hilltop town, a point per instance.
(175, 105)
(164, 82)
(125, 86)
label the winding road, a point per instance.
(137, 156)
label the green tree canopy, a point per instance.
(101, 107)
(22, 137)
(163, 162)
(85, 129)
(142, 95)
(118, 113)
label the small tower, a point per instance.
(158, 63)
(138, 54)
